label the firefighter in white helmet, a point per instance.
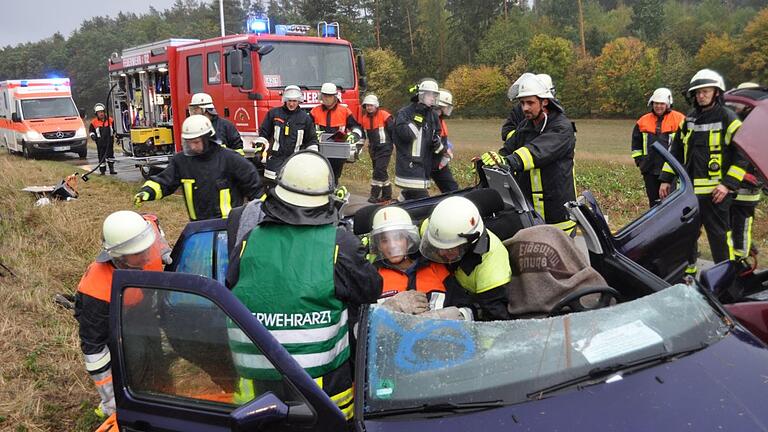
(456, 236)
(659, 124)
(214, 178)
(130, 241)
(516, 116)
(540, 153)
(226, 132)
(417, 140)
(331, 117)
(289, 257)
(289, 129)
(441, 171)
(704, 146)
(377, 125)
(102, 132)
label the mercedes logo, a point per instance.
(59, 134)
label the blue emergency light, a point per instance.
(326, 29)
(258, 25)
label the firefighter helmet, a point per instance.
(202, 100)
(661, 95)
(393, 234)
(196, 126)
(445, 99)
(748, 85)
(706, 78)
(429, 92)
(514, 89)
(547, 81)
(305, 180)
(329, 89)
(126, 233)
(293, 93)
(532, 86)
(99, 107)
(454, 226)
(371, 99)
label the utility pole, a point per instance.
(581, 30)
(221, 16)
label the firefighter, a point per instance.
(226, 133)
(441, 171)
(290, 259)
(377, 125)
(130, 241)
(215, 179)
(417, 141)
(540, 153)
(411, 282)
(455, 235)
(290, 128)
(703, 146)
(516, 116)
(747, 197)
(331, 117)
(102, 132)
(660, 124)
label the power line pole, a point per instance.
(221, 16)
(581, 30)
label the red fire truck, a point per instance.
(244, 74)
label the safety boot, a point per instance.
(375, 194)
(386, 193)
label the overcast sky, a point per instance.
(32, 20)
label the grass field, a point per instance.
(43, 383)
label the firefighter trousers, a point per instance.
(716, 221)
(380, 157)
(106, 152)
(444, 180)
(337, 165)
(742, 217)
(652, 184)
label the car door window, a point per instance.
(184, 353)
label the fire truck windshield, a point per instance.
(308, 65)
(48, 107)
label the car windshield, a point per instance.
(308, 65)
(414, 362)
(48, 107)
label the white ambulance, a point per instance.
(39, 116)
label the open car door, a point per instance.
(660, 239)
(750, 138)
(170, 377)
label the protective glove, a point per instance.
(341, 193)
(408, 302)
(492, 158)
(140, 198)
(449, 313)
(260, 144)
(751, 179)
(93, 136)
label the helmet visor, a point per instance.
(428, 98)
(442, 255)
(394, 244)
(193, 146)
(134, 245)
(447, 110)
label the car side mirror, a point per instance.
(15, 117)
(81, 111)
(266, 49)
(235, 67)
(362, 82)
(268, 409)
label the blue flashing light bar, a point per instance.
(258, 25)
(326, 29)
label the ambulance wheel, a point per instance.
(26, 151)
(83, 154)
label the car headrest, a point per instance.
(488, 201)
(363, 219)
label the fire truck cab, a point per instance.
(244, 74)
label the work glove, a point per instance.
(751, 179)
(140, 198)
(449, 313)
(93, 136)
(408, 302)
(492, 158)
(341, 192)
(260, 144)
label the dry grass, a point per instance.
(43, 383)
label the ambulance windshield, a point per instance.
(48, 107)
(308, 65)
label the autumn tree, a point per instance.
(626, 72)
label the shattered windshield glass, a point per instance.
(413, 361)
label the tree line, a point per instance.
(605, 56)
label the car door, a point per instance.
(166, 378)
(660, 239)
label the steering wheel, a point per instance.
(573, 300)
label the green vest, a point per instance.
(286, 281)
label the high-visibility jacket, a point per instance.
(101, 131)
(424, 276)
(338, 118)
(227, 134)
(546, 151)
(289, 132)
(378, 128)
(649, 129)
(213, 182)
(703, 146)
(417, 141)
